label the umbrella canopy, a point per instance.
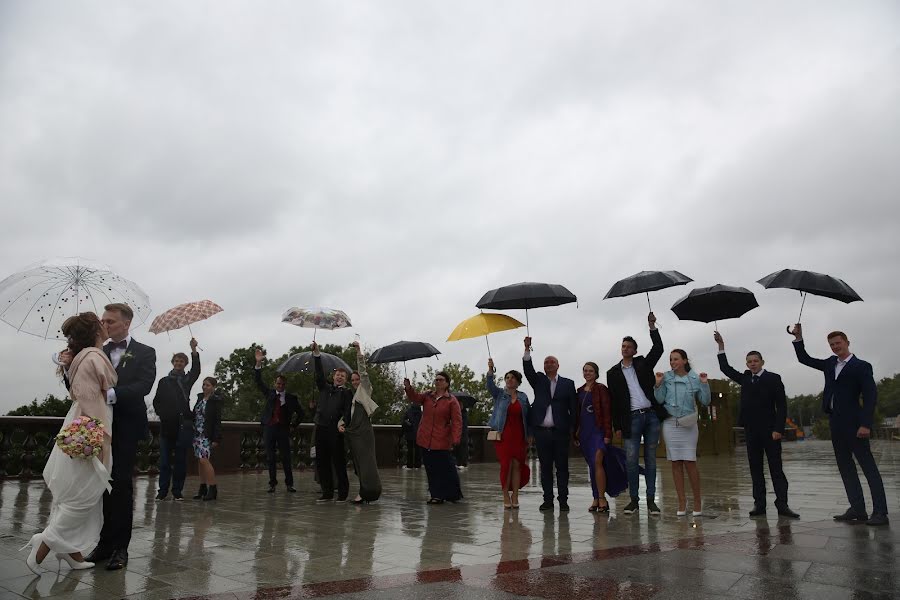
(403, 351)
(715, 303)
(316, 318)
(39, 298)
(302, 362)
(646, 282)
(184, 315)
(481, 325)
(465, 400)
(527, 295)
(809, 282)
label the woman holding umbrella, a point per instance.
(439, 431)
(678, 391)
(509, 426)
(357, 428)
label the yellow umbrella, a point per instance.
(483, 324)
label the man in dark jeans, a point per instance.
(281, 412)
(637, 414)
(331, 455)
(176, 422)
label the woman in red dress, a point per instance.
(509, 419)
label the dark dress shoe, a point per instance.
(324, 499)
(118, 560)
(546, 506)
(161, 495)
(851, 516)
(878, 519)
(271, 489)
(758, 511)
(291, 489)
(98, 554)
(785, 511)
(563, 506)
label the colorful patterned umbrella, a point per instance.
(316, 318)
(39, 298)
(183, 315)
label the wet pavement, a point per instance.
(249, 544)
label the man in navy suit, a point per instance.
(135, 365)
(552, 417)
(847, 379)
(762, 415)
(281, 413)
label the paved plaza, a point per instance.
(249, 544)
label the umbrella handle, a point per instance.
(199, 347)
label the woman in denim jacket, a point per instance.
(678, 391)
(510, 418)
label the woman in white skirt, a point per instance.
(678, 391)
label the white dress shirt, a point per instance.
(115, 356)
(838, 367)
(638, 397)
(548, 418)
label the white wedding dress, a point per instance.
(77, 485)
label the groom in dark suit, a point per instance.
(281, 413)
(552, 417)
(763, 413)
(847, 380)
(135, 365)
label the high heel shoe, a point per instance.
(31, 560)
(73, 564)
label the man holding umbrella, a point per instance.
(847, 379)
(636, 413)
(552, 417)
(331, 457)
(281, 409)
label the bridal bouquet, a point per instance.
(82, 438)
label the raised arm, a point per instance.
(657, 350)
(490, 382)
(257, 373)
(364, 381)
(321, 382)
(800, 350)
(729, 371)
(414, 396)
(702, 394)
(194, 373)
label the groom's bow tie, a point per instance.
(113, 345)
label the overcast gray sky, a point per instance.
(398, 159)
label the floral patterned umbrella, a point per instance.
(184, 315)
(316, 318)
(39, 298)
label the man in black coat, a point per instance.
(849, 401)
(636, 414)
(331, 456)
(176, 422)
(762, 415)
(281, 412)
(135, 365)
(552, 418)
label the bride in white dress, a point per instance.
(77, 485)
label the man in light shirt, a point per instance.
(847, 381)
(636, 413)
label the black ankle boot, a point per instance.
(212, 493)
(202, 493)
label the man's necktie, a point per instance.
(755, 379)
(113, 345)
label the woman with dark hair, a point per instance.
(439, 431)
(77, 485)
(356, 426)
(207, 435)
(678, 391)
(509, 430)
(593, 431)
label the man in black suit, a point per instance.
(636, 414)
(135, 365)
(333, 404)
(762, 415)
(552, 417)
(847, 380)
(281, 409)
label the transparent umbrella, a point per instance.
(39, 298)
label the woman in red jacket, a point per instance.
(593, 430)
(439, 431)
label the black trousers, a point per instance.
(847, 447)
(758, 444)
(413, 455)
(278, 436)
(118, 505)
(553, 450)
(331, 459)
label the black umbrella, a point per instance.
(465, 400)
(715, 303)
(302, 362)
(808, 282)
(527, 294)
(403, 351)
(646, 282)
